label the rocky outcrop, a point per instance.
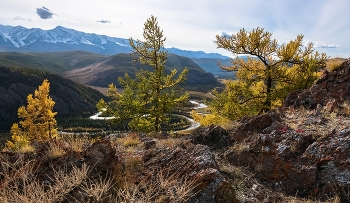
(294, 162)
(331, 87)
(301, 151)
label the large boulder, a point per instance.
(254, 124)
(213, 136)
(197, 164)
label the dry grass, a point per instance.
(345, 109)
(335, 199)
(333, 64)
(10, 172)
(164, 189)
(170, 142)
(240, 147)
(24, 181)
(98, 190)
(129, 140)
(27, 188)
(318, 122)
(26, 149)
(55, 150)
(132, 167)
(77, 142)
(245, 185)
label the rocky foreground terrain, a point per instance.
(297, 153)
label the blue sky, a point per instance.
(192, 24)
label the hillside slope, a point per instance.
(105, 72)
(72, 99)
(55, 62)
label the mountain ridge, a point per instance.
(22, 39)
(105, 72)
(55, 62)
(101, 70)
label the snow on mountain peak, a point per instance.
(65, 39)
(20, 36)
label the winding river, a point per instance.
(193, 126)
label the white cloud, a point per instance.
(319, 44)
(224, 33)
(221, 33)
(325, 45)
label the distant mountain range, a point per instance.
(101, 70)
(21, 39)
(211, 65)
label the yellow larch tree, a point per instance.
(267, 75)
(38, 121)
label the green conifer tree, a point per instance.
(152, 94)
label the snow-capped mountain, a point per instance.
(21, 39)
(58, 39)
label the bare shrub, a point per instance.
(98, 190)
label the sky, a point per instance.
(192, 24)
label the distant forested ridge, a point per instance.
(72, 99)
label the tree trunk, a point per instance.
(267, 103)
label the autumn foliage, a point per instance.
(38, 122)
(269, 72)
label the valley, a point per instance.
(86, 72)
